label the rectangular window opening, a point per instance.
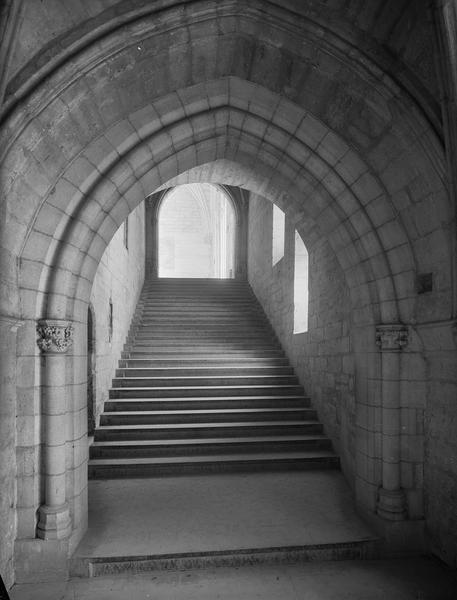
(279, 225)
(300, 286)
(126, 233)
(110, 320)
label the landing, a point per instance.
(219, 512)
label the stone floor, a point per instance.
(219, 512)
(403, 579)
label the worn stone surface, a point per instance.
(406, 579)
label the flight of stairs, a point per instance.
(204, 386)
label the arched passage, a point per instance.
(196, 233)
(367, 189)
(316, 217)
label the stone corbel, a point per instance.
(391, 338)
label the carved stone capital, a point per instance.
(54, 337)
(391, 338)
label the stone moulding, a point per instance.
(391, 338)
(54, 337)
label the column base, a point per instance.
(54, 522)
(391, 505)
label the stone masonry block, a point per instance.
(101, 153)
(82, 174)
(312, 131)
(122, 136)
(332, 148)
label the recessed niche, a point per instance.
(424, 283)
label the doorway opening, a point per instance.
(196, 233)
(90, 372)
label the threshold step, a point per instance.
(99, 566)
(157, 466)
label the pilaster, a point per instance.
(55, 338)
(391, 340)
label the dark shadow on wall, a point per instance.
(91, 357)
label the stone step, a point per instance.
(202, 311)
(205, 446)
(203, 386)
(234, 300)
(203, 303)
(188, 330)
(198, 309)
(196, 291)
(195, 403)
(224, 415)
(157, 466)
(211, 319)
(187, 321)
(208, 362)
(265, 340)
(206, 430)
(197, 380)
(213, 323)
(203, 371)
(158, 349)
(107, 566)
(209, 390)
(221, 329)
(220, 332)
(203, 346)
(230, 302)
(177, 354)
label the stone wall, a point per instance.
(440, 427)
(119, 279)
(322, 356)
(339, 365)
(8, 411)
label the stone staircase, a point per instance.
(203, 385)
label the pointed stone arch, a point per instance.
(360, 163)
